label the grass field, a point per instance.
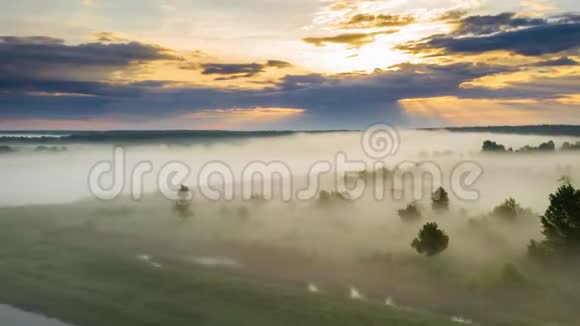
(92, 278)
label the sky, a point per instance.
(300, 64)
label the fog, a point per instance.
(360, 247)
(30, 177)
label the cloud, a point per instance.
(41, 86)
(562, 61)
(244, 69)
(235, 70)
(278, 64)
(342, 101)
(361, 21)
(42, 57)
(353, 39)
(480, 25)
(452, 15)
(109, 37)
(526, 36)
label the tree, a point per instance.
(561, 221)
(440, 200)
(431, 240)
(491, 146)
(571, 146)
(410, 214)
(508, 210)
(544, 147)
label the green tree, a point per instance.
(431, 240)
(440, 200)
(561, 221)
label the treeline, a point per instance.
(549, 146)
(5, 149)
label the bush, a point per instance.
(431, 240)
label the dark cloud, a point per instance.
(330, 101)
(562, 61)
(339, 101)
(242, 69)
(567, 18)
(30, 40)
(45, 50)
(236, 70)
(481, 25)
(43, 57)
(352, 39)
(526, 36)
(361, 21)
(278, 64)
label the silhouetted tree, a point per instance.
(491, 146)
(548, 146)
(544, 147)
(571, 146)
(440, 200)
(561, 221)
(508, 210)
(410, 214)
(431, 240)
(183, 203)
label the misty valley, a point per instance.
(507, 257)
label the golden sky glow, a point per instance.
(288, 64)
(484, 112)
